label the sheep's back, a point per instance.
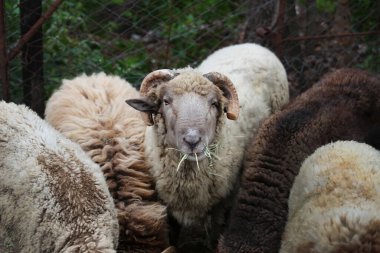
(254, 70)
(342, 106)
(53, 196)
(334, 199)
(88, 102)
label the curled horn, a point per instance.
(229, 91)
(152, 80)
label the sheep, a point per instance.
(343, 105)
(194, 153)
(53, 197)
(91, 111)
(334, 201)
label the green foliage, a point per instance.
(372, 61)
(132, 38)
(85, 37)
(12, 13)
(69, 49)
(326, 5)
(365, 14)
(192, 35)
(365, 17)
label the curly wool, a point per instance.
(91, 111)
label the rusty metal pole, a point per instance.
(32, 56)
(28, 35)
(3, 55)
(278, 40)
(275, 33)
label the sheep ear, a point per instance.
(146, 107)
(229, 91)
(151, 81)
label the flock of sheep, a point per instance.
(209, 159)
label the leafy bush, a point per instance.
(131, 38)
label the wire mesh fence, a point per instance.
(131, 38)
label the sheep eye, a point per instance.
(215, 104)
(166, 102)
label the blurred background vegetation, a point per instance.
(130, 38)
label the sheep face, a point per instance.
(190, 105)
(190, 120)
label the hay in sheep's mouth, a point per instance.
(184, 157)
(195, 157)
(209, 152)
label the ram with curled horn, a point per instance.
(154, 79)
(199, 120)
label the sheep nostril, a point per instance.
(192, 141)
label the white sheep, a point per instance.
(195, 154)
(91, 110)
(335, 200)
(53, 197)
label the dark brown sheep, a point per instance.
(344, 105)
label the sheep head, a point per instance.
(190, 104)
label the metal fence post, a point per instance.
(3, 55)
(32, 56)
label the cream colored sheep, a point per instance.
(91, 111)
(195, 153)
(187, 104)
(335, 201)
(53, 197)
